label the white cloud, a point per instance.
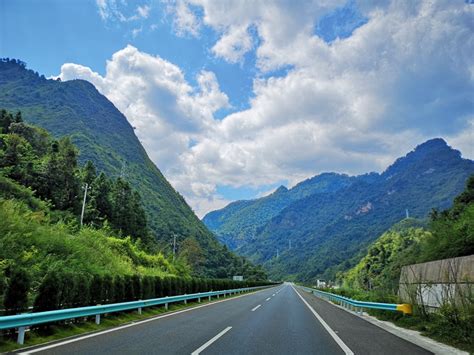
(136, 31)
(143, 11)
(113, 10)
(350, 106)
(185, 22)
(234, 44)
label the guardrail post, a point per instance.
(217, 295)
(166, 306)
(185, 300)
(97, 317)
(21, 335)
(139, 309)
(199, 299)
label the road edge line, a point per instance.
(331, 332)
(412, 336)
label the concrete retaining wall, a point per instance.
(437, 282)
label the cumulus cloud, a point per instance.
(352, 105)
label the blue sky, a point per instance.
(238, 97)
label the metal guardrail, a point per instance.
(21, 321)
(359, 305)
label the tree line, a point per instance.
(59, 290)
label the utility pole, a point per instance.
(406, 213)
(86, 187)
(174, 246)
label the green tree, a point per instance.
(48, 295)
(16, 295)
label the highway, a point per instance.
(279, 320)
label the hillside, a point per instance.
(239, 222)
(104, 136)
(328, 229)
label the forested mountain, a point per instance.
(239, 222)
(104, 136)
(328, 228)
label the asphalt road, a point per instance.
(272, 321)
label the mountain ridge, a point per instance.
(327, 229)
(76, 108)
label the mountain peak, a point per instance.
(434, 152)
(433, 144)
(281, 189)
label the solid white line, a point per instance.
(205, 345)
(268, 299)
(46, 347)
(255, 308)
(331, 332)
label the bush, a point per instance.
(16, 295)
(119, 289)
(137, 287)
(108, 289)
(148, 287)
(48, 296)
(96, 290)
(158, 287)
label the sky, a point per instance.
(233, 98)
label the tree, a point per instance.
(15, 155)
(6, 119)
(88, 173)
(16, 295)
(48, 296)
(60, 178)
(99, 206)
(192, 252)
(119, 289)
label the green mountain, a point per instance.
(239, 222)
(329, 229)
(104, 136)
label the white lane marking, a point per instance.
(331, 332)
(46, 347)
(268, 299)
(255, 308)
(205, 345)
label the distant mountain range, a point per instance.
(322, 224)
(104, 136)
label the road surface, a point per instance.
(279, 320)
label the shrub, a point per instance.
(16, 295)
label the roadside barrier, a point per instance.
(357, 306)
(21, 321)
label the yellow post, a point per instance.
(405, 308)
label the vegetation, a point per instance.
(332, 223)
(104, 137)
(449, 234)
(49, 261)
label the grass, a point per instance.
(61, 331)
(435, 327)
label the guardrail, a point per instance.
(359, 305)
(21, 321)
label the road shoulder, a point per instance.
(361, 336)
